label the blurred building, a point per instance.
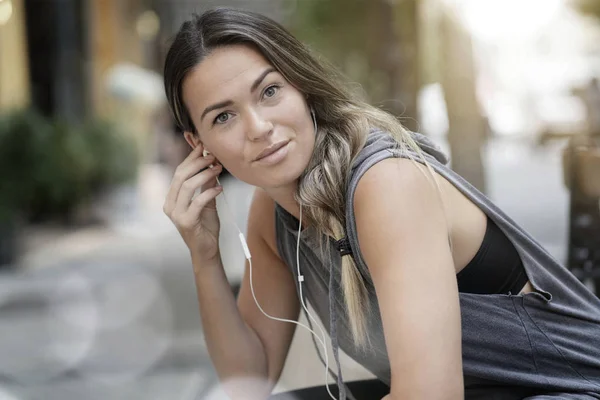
(55, 54)
(14, 75)
(81, 58)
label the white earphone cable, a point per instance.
(300, 279)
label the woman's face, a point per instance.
(242, 109)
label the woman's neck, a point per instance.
(284, 196)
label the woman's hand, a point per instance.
(196, 217)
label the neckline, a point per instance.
(291, 223)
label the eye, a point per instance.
(220, 120)
(271, 91)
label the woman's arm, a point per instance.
(274, 288)
(403, 237)
(247, 349)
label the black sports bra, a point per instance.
(496, 268)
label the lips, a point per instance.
(271, 149)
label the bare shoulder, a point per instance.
(261, 218)
(396, 203)
(403, 238)
(403, 192)
(399, 179)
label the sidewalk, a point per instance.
(105, 312)
(130, 213)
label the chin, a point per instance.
(280, 179)
(284, 174)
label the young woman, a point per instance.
(416, 274)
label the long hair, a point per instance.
(343, 119)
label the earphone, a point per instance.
(321, 339)
(205, 153)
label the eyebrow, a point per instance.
(226, 103)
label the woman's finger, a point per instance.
(177, 180)
(212, 182)
(191, 185)
(201, 201)
(184, 172)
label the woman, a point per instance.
(417, 275)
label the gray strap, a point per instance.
(344, 391)
(333, 334)
(318, 349)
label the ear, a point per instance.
(193, 140)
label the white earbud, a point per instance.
(205, 153)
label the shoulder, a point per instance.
(397, 181)
(398, 203)
(261, 218)
(403, 239)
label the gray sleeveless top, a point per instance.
(547, 340)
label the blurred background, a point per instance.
(97, 298)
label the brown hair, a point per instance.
(343, 120)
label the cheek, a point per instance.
(231, 155)
(292, 107)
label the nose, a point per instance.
(258, 127)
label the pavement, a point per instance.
(110, 312)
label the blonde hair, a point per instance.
(323, 185)
(343, 118)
